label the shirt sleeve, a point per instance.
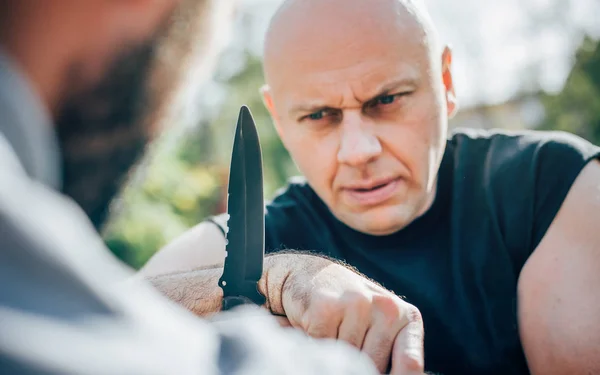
(68, 306)
(220, 221)
(557, 162)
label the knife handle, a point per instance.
(234, 301)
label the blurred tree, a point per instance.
(184, 180)
(576, 108)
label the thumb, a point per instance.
(271, 284)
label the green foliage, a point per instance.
(174, 195)
(576, 108)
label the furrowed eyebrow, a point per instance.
(392, 86)
(308, 108)
(385, 89)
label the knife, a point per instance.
(245, 247)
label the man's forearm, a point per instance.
(197, 291)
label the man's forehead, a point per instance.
(352, 46)
(303, 24)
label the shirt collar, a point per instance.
(27, 125)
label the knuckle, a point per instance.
(389, 307)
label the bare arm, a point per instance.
(559, 299)
(198, 290)
(203, 246)
(187, 271)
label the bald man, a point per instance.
(77, 80)
(491, 235)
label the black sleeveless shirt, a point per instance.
(459, 263)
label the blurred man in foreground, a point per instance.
(492, 235)
(76, 80)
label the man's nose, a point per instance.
(358, 145)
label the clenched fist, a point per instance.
(328, 300)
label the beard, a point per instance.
(102, 132)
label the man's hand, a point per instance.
(328, 300)
(322, 298)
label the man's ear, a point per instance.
(265, 92)
(451, 100)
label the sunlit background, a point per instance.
(517, 64)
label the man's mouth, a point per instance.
(374, 192)
(364, 190)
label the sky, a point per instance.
(500, 47)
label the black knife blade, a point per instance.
(245, 247)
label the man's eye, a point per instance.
(386, 99)
(316, 116)
(322, 117)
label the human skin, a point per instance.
(372, 99)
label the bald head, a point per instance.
(307, 30)
(360, 91)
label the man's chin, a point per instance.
(380, 221)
